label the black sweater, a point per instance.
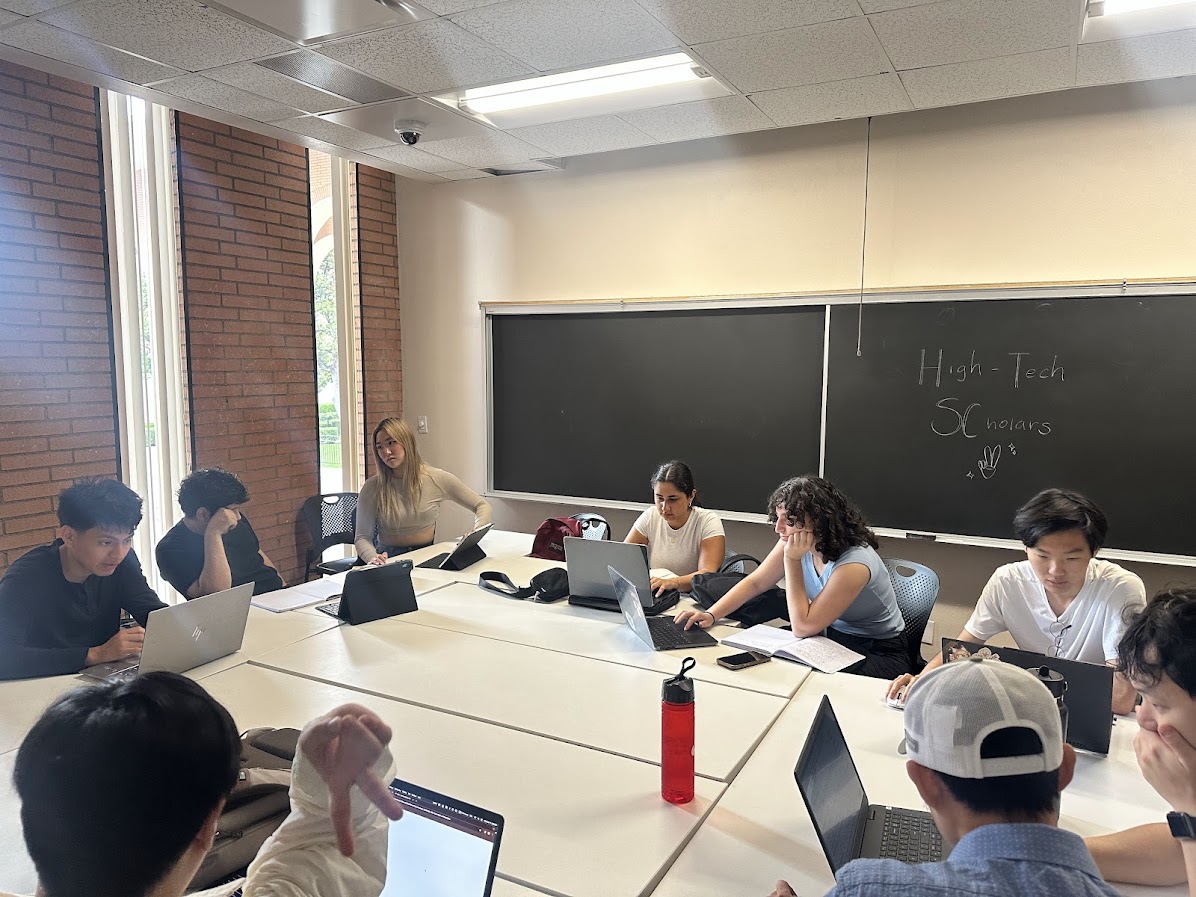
(47, 623)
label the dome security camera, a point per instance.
(410, 131)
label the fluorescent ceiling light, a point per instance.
(1117, 7)
(622, 77)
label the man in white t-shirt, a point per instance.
(1062, 601)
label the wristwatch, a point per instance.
(1183, 825)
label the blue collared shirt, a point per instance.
(992, 861)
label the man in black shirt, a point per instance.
(213, 547)
(60, 604)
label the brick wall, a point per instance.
(378, 285)
(248, 297)
(57, 400)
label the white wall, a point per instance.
(1094, 184)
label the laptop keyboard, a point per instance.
(911, 838)
(667, 634)
(332, 608)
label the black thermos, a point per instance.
(1054, 681)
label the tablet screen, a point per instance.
(441, 847)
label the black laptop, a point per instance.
(1089, 695)
(848, 827)
(589, 584)
(467, 553)
(374, 593)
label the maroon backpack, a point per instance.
(549, 543)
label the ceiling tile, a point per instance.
(465, 174)
(308, 21)
(414, 158)
(190, 35)
(699, 21)
(1138, 58)
(832, 51)
(54, 43)
(32, 7)
(854, 98)
(6, 17)
(199, 89)
(264, 82)
(555, 34)
(962, 30)
(332, 133)
(428, 56)
(600, 134)
(870, 6)
(990, 79)
(486, 151)
(705, 118)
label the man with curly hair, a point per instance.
(213, 547)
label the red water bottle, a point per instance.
(677, 736)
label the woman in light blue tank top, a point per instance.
(834, 579)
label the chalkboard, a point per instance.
(957, 412)
(589, 404)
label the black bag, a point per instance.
(254, 809)
(551, 585)
(707, 588)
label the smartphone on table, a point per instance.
(742, 661)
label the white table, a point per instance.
(760, 831)
(16, 869)
(23, 700)
(608, 706)
(579, 822)
(600, 635)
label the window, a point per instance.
(143, 248)
(336, 354)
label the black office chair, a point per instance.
(330, 520)
(734, 562)
(917, 587)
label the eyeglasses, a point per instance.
(1057, 629)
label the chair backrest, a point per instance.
(593, 526)
(738, 563)
(331, 519)
(917, 587)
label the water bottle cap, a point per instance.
(679, 689)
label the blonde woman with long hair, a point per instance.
(402, 501)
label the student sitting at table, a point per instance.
(122, 785)
(60, 604)
(1158, 654)
(681, 537)
(402, 501)
(1062, 600)
(213, 547)
(986, 753)
(834, 579)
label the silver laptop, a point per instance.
(587, 561)
(659, 633)
(183, 636)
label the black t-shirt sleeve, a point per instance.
(177, 562)
(19, 660)
(134, 592)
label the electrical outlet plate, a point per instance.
(928, 633)
(421, 424)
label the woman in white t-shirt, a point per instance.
(1062, 601)
(681, 537)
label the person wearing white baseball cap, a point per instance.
(986, 753)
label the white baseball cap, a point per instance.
(953, 708)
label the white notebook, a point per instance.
(817, 651)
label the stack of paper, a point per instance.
(817, 651)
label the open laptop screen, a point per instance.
(831, 787)
(441, 847)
